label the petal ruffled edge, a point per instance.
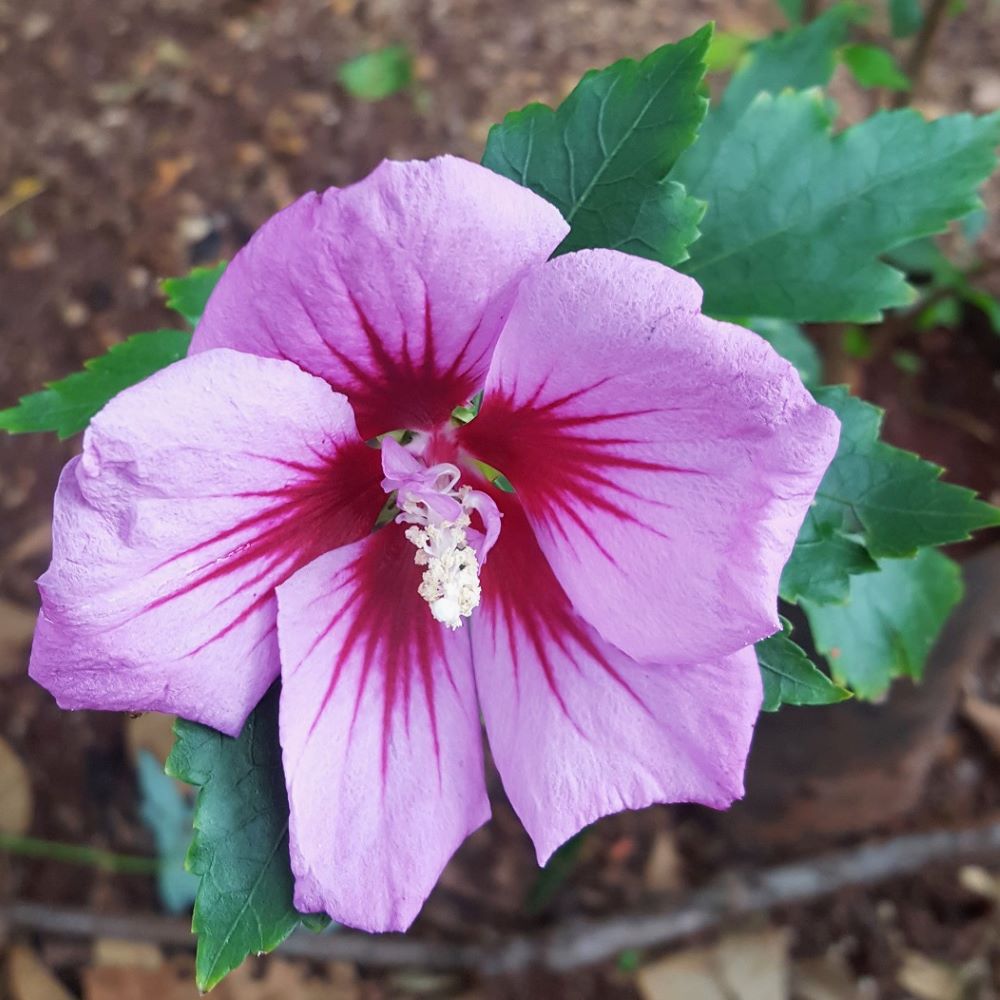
(380, 735)
(197, 492)
(394, 289)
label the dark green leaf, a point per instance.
(240, 848)
(905, 16)
(798, 218)
(601, 157)
(889, 623)
(789, 340)
(796, 59)
(68, 405)
(377, 75)
(892, 497)
(873, 66)
(189, 295)
(790, 677)
(822, 564)
(559, 868)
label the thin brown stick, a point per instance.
(810, 10)
(578, 942)
(916, 64)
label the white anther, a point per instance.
(450, 583)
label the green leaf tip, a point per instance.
(889, 623)
(896, 499)
(847, 199)
(602, 157)
(874, 66)
(68, 405)
(189, 294)
(790, 677)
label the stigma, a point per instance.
(439, 512)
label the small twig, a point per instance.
(578, 942)
(810, 10)
(916, 63)
(78, 854)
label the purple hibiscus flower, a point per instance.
(232, 519)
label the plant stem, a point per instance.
(916, 64)
(78, 854)
(810, 10)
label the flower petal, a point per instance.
(197, 492)
(665, 460)
(577, 729)
(380, 735)
(393, 289)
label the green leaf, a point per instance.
(602, 155)
(792, 9)
(856, 342)
(889, 623)
(873, 66)
(377, 75)
(798, 217)
(790, 341)
(797, 60)
(725, 51)
(924, 257)
(68, 405)
(790, 677)
(240, 848)
(822, 564)
(893, 497)
(905, 17)
(189, 294)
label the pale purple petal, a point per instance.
(393, 289)
(665, 460)
(380, 735)
(197, 492)
(577, 729)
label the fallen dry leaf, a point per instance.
(127, 954)
(927, 979)
(115, 982)
(285, 980)
(31, 256)
(984, 717)
(22, 190)
(267, 979)
(829, 978)
(980, 881)
(28, 978)
(17, 624)
(665, 866)
(15, 792)
(742, 966)
(169, 173)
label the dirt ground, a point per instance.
(159, 134)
